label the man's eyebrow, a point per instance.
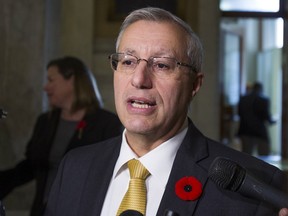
(159, 53)
(164, 53)
(129, 51)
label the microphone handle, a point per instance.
(170, 213)
(254, 188)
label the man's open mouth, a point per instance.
(141, 104)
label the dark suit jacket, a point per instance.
(254, 114)
(100, 125)
(85, 173)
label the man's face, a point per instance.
(146, 103)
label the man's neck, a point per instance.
(141, 144)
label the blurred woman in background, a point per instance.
(76, 118)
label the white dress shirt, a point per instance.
(158, 162)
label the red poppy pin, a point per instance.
(80, 127)
(188, 188)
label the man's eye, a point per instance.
(162, 66)
(128, 63)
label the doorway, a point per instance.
(251, 50)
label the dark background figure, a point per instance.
(76, 118)
(2, 209)
(254, 113)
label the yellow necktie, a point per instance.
(135, 197)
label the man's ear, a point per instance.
(197, 83)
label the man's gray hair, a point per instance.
(194, 47)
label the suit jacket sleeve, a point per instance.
(23, 171)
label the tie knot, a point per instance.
(137, 170)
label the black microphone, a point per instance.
(229, 175)
(131, 213)
(170, 213)
(136, 213)
(3, 114)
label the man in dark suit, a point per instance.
(157, 72)
(254, 113)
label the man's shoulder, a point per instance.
(99, 148)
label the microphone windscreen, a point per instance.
(226, 173)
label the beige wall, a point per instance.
(205, 108)
(76, 29)
(21, 80)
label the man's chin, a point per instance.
(138, 129)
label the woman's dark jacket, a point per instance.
(99, 125)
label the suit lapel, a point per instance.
(99, 177)
(192, 150)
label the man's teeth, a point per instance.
(141, 105)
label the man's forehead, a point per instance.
(164, 37)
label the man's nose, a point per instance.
(141, 78)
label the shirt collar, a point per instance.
(158, 162)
